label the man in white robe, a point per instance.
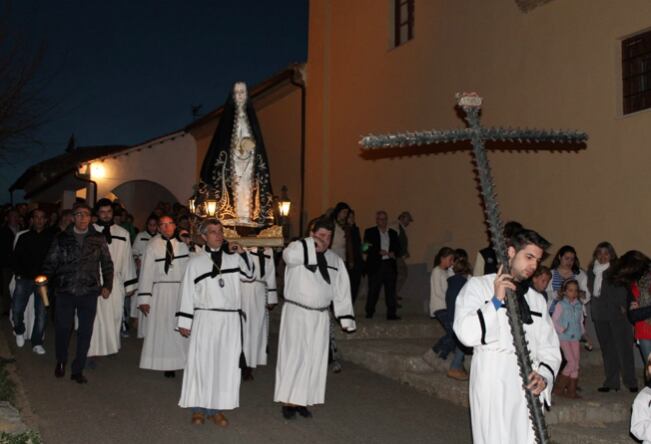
(108, 320)
(138, 249)
(315, 277)
(210, 314)
(163, 266)
(258, 298)
(498, 407)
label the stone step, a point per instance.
(403, 360)
(612, 433)
(407, 327)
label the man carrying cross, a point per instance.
(480, 321)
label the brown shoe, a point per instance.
(219, 419)
(560, 385)
(457, 373)
(198, 418)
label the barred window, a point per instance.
(403, 21)
(636, 72)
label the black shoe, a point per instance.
(79, 378)
(393, 318)
(60, 370)
(288, 412)
(170, 374)
(607, 389)
(633, 389)
(304, 412)
(247, 374)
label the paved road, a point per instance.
(123, 404)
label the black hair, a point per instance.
(576, 267)
(323, 222)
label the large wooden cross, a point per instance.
(470, 103)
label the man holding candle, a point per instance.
(74, 261)
(29, 254)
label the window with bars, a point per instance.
(636, 72)
(403, 28)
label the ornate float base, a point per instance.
(268, 237)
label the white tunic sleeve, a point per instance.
(270, 278)
(247, 267)
(146, 282)
(547, 356)
(128, 269)
(300, 252)
(185, 314)
(342, 301)
(475, 316)
(641, 417)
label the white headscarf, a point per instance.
(598, 270)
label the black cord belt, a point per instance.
(242, 319)
(307, 307)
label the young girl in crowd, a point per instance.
(641, 415)
(566, 266)
(438, 286)
(568, 322)
(462, 272)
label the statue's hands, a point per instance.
(502, 282)
(144, 308)
(236, 248)
(184, 332)
(536, 383)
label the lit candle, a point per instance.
(41, 285)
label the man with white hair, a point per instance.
(210, 314)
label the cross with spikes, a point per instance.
(470, 103)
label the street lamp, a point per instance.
(284, 204)
(211, 207)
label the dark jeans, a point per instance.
(355, 276)
(445, 344)
(24, 289)
(615, 338)
(383, 276)
(86, 307)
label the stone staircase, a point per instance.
(401, 350)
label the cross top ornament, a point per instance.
(470, 103)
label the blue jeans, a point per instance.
(206, 412)
(457, 359)
(445, 344)
(645, 349)
(24, 289)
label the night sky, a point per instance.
(122, 72)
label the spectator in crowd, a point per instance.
(383, 248)
(540, 280)
(401, 228)
(438, 286)
(8, 232)
(486, 261)
(462, 272)
(74, 260)
(568, 322)
(340, 241)
(632, 270)
(356, 268)
(566, 266)
(29, 254)
(608, 308)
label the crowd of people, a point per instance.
(105, 273)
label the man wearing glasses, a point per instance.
(74, 261)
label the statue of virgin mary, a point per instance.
(236, 166)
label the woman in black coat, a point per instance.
(608, 308)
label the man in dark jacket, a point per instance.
(74, 262)
(383, 249)
(31, 248)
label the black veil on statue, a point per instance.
(217, 168)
